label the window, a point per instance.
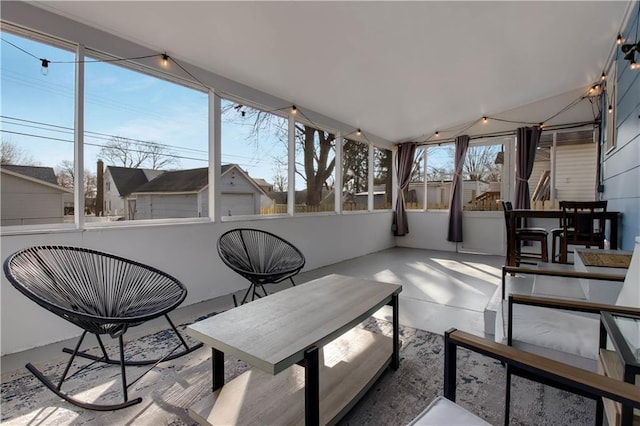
(37, 130)
(382, 178)
(482, 176)
(315, 164)
(146, 142)
(254, 161)
(355, 176)
(440, 166)
(414, 195)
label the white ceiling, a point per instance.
(399, 70)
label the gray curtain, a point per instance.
(406, 152)
(526, 146)
(455, 203)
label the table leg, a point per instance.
(217, 362)
(395, 359)
(613, 231)
(312, 387)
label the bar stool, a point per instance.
(524, 234)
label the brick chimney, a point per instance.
(100, 189)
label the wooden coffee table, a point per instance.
(310, 365)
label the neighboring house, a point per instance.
(184, 193)
(266, 186)
(119, 183)
(31, 195)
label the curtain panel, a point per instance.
(526, 146)
(406, 152)
(455, 202)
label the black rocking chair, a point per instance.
(259, 256)
(102, 294)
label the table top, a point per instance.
(273, 333)
(553, 214)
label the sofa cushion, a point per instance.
(561, 335)
(442, 411)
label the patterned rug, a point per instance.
(396, 398)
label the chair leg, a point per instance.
(171, 356)
(543, 250)
(86, 405)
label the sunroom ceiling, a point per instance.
(400, 70)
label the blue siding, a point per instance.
(621, 167)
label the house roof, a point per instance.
(401, 70)
(41, 173)
(191, 180)
(127, 179)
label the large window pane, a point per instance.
(414, 195)
(146, 145)
(382, 178)
(482, 174)
(355, 175)
(440, 166)
(315, 164)
(37, 132)
(254, 161)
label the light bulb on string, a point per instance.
(294, 110)
(610, 109)
(485, 119)
(45, 66)
(437, 133)
(603, 77)
(358, 132)
(165, 60)
(619, 39)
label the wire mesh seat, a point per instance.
(259, 256)
(102, 294)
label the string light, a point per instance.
(45, 66)
(610, 109)
(358, 132)
(603, 77)
(294, 110)
(165, 60)
(484, 119)
(437, 133)
(619, 39)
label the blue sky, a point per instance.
(37, 112)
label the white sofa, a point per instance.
(569, 337)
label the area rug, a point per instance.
(395, 399)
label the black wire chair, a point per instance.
(259, 256)
(102, 294)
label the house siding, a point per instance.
(621, 165)
(576, 172)
(166, 206)
(29, 203)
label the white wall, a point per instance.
(188, 252)
(484, 232)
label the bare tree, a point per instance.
(315, 146)
(279, 177)
(317, 166)
(355, 171)
(65, 174)
(127, 152)
(479, 163)
(13, 154)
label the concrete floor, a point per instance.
(441, 290)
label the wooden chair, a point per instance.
(582, 224)
(524, 364)
(102, 294)
(514, 242)
(259, 256)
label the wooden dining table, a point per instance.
(517, 214)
